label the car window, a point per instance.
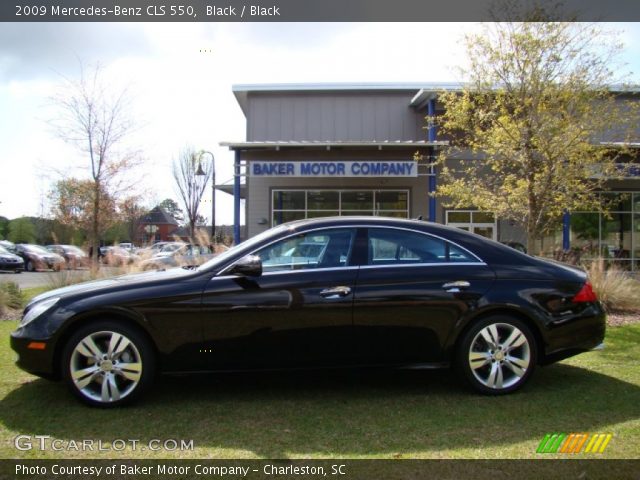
(387, 246)
(319, 249)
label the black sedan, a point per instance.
(372, 292)
(10, 262)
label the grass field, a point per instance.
(386, 414)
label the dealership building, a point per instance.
(349, 149)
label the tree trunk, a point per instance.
(95, 227)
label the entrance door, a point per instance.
(480, 223)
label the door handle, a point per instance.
(335, 292)
(455, 287)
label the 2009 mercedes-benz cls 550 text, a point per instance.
(371, 292)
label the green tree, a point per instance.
(22, 230)
(4, 227)
(173, 209)
(73, 205)
(527, 127)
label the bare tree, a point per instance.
(191, 176)
(96, 120)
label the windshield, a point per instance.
(171, 247)
(246, 245)
(37, 249)
(73, 249)
(4, 250)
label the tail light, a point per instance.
(586, 294)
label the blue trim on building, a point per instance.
(432, 133)
(236, 198)
(566, 231)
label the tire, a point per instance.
(497, 367)
(93, 360)
(29, 266)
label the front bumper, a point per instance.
(38, 362)
(11, 266)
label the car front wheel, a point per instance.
(497, 355)
(108, 364)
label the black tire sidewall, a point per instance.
(462, 354)
(134, 334)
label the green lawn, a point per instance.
(342, 415)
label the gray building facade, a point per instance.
(344, 149)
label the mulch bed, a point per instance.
(617, 319)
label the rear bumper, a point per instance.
(576, 335)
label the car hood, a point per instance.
(123, 281)
(10, 256)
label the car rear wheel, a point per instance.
(497, 355)
(108, 364)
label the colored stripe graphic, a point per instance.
(574, 443)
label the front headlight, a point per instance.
(38, 309)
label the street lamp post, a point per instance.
(213, 194)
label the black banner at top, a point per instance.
(307, 10)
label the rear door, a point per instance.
(411, 291)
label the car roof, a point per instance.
(488, 250)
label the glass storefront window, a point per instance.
(617, 201)
(288, 205)
(323, 200)
(616, 236)
(289, 200)
(357, 200)
(391, 200)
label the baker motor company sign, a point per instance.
(334, 169)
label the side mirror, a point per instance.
(250, 266)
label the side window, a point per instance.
(319, 249)
(389, 246)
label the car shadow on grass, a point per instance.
(343, 414)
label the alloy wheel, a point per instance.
(105, 366)
(499, 356)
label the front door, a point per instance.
(297, 313)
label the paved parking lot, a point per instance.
(41, 279)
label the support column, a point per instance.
(432, 133)
(236, 198)
(566, 231)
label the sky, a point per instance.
(179, 77)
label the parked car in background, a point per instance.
(150, 251)
(178, 255)
(74, 256)
(37, 257)
(116, 256)
(127, 246)
(10, 262)
(381, 291)
(9, 246)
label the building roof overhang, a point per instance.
(329, 145)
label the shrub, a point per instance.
(615, 288)
(10, 296)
